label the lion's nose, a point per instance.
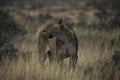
(50, 36)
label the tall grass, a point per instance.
(95, 47)
(93, 64)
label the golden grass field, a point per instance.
(95, 47)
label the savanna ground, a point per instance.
(97, 26)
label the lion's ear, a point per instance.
(59, 21)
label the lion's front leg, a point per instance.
(50, 56)
(73, 61)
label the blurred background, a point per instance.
(96, 24)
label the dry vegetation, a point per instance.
(97, 30)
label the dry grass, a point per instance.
(95, 49)
(93, 64)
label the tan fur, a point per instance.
(64, 40)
